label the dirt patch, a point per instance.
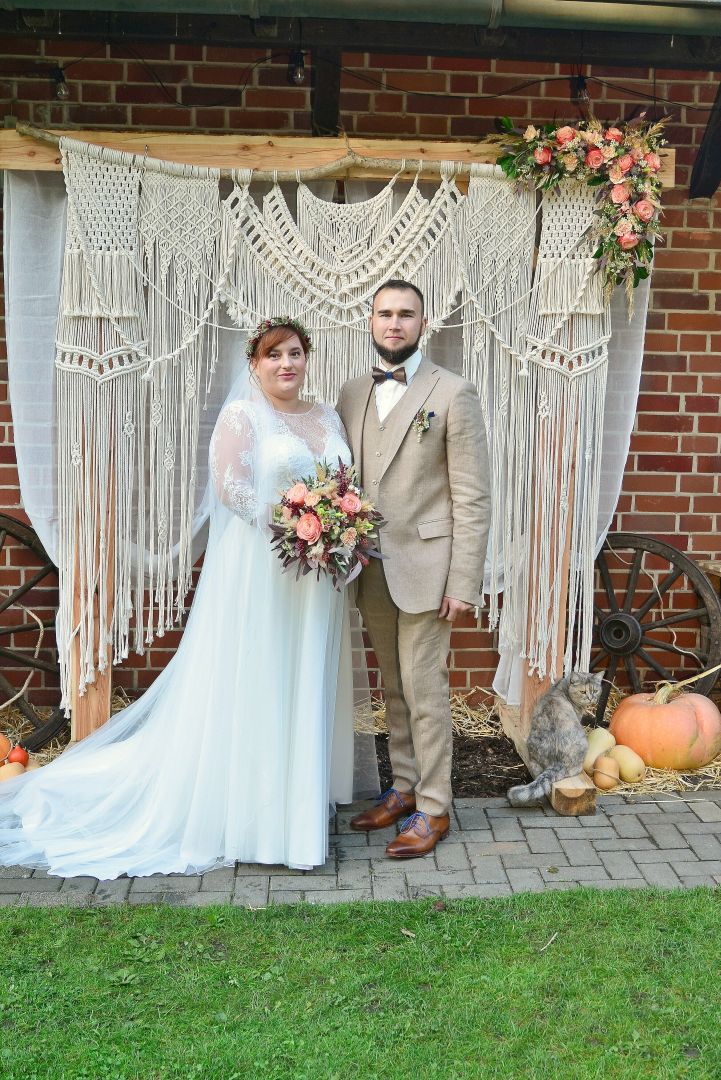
(481, 767)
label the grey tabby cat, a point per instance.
(557, 743)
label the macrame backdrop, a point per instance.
(158, 256)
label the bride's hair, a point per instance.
(275, 336)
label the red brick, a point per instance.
(221, 54)
(699, 444)
(464, 84)
(696, 523)
(512, 106)
(650, 482)
(433, 125)
(654, 444)
(459, 63)
(292, 98)
(707, 503)
(685, 301)
(95, 92)
(387, 102)
(668, 503)
(115, 116)
(387, 125)
(698, 482)
(709, 423)
(259, 121)
(439, 106)
(648, 523)
(187, 52)
(427, 82)
(694, 342)
(144, 94)
(151, 117)
(709, 464)
(681, 260)
(703, 403)
(664, 463)
(397, 63)
(659, 403)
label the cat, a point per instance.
(557, 743)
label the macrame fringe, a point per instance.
(149, 260)
(562, 280)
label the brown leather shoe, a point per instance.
(390, 806)
(418, 836)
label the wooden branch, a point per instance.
(314, 158)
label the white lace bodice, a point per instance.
(255, 453)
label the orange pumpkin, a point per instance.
(681, 733)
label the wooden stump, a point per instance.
(574, 796)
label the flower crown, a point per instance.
(268, 324)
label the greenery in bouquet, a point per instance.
(622, 162)
(326, 523)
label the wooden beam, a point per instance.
(706, 174)
(260, 152)
(639, 50)
(325, 95)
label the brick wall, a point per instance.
(671, 482)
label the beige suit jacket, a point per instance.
(433, 492)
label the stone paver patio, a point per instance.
(493, 850)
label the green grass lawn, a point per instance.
(629, 986)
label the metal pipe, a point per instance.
(694, 17)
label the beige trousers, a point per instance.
(412, 652)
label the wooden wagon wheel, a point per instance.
(18, 632)
(656, 616)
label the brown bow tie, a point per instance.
(380, 375)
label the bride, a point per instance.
(244, 741)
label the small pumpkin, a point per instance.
(600, 741)
(605, 772)
(682, 732)
(630, 765)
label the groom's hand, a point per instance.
(451, 609)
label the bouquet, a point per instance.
(622, 163)
(326, 523)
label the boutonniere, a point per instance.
(421, 422)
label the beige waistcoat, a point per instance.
(433, 490)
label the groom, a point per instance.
(419, 446)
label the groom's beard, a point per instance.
(396, 356)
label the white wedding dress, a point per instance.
(245, 740)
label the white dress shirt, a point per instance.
(390, 392)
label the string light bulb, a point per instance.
(296, 68)
(62, 90)
(579, 92)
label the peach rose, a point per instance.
(296, 495)
(628, 242)
(308, 528)
(623, 227)
(614, 134)
(625, 162)
(313, 498)
(542, 155)
(531, 133)
(348, 538)
(350, 503)
(620, 193)
(570, 161)
(594, 159)
(565, 135)
(644, 210)
(653, 161)
(287, 513)
(616, 175)
(636, 153)
(608, 152)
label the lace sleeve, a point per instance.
(333, 422)
(232, 461)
